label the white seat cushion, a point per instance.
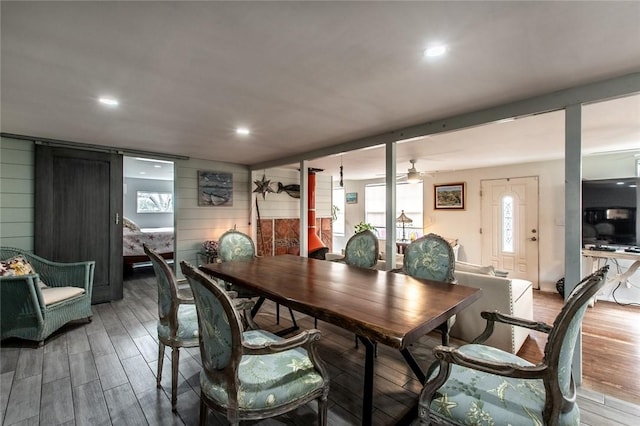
(53, 295)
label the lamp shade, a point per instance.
(403, 218)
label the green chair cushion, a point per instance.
(268, 381)
(471, 397)
(187, 325)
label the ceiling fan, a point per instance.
(412, 175)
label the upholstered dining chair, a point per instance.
(477, 384)
(361, 250)
(236, 246)
(253, 374)
(431, 257)
(178, 321)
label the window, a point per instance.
(337, 211)
(154, 202)
(408, 198)
(507, 224)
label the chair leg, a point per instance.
(203, 411)
(160, 362)
(175, 359)
(322, 410)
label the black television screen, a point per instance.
(609, 209)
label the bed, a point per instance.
(158, 239)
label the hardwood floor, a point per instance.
(104, 372)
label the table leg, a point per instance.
(413, 364)
(367, 395)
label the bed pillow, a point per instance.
(16, 266)
(475, 269)
(128, 223)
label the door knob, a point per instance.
(533, 239)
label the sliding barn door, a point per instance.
(78, 210)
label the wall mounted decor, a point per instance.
(449, 196)
(292, 189)
(351, 198)
(215, 188)
(263, 186)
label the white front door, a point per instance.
(510, 226)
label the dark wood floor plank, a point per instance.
(90, 406)
(110, 319)
(29, 363)
(9, 356)
(57, 402)
(24, 400)
(6, 381)
(140, 375)
(123, 407)
(124, 346)
(157, 408)
(55, 366)
(82, 367)
(77, 341)
(110, 371)
(148, 347)
(101, 344)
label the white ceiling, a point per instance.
(307, 75)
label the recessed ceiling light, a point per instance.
(143, 173)
(435, 51)
(153, 160)
(108, 101)
(619, 183)
(632, 186)
(243, 131)
(158, 166)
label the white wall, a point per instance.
(196, 224)
(130, 202)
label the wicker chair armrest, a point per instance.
(57, 274)
(495, 316)
(15, 289)
(306, 338)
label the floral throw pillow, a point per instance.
(129, 224)
(17, 266)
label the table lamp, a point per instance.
(403, 218)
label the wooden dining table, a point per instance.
(389, 308)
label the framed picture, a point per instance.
(351, 198)
(449, 196)
(215, 188)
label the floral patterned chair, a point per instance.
(478, 384)
(361, 250)
(431, 257)
(177, 323)
(235, 246)
(252, 374)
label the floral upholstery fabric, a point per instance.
(268, 381)
(187, 325)
(362, 250)
(471, 397)
(430, 257)
(234, 245)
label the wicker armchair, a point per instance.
(478, 384)
(36, 305)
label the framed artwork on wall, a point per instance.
(450, 196)
(215, 188)
(351, 198)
